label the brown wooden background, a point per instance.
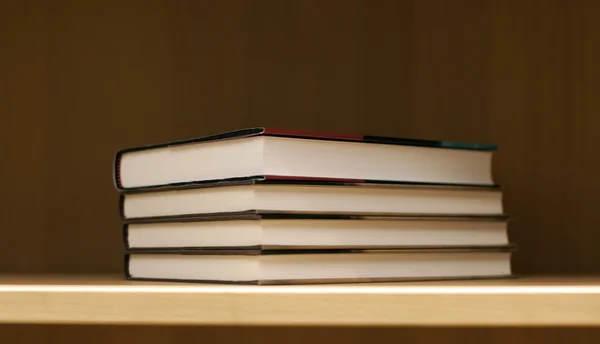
(292, 335)
(81, 79)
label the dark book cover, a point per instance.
(296, 134)
(257, 215)
(255, 180)
(258, 252)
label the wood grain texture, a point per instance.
(81, 79)
(102, 300)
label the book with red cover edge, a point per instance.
(311, 135)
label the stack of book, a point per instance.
(262, 206)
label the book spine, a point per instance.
(122, 207)
(117, 172)
(126, 271)
(126, 236)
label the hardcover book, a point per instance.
(244, 231)
(283, 153)
(301, 267)
(276, 195)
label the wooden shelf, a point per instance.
(100, 299)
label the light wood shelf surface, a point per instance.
(109, 299)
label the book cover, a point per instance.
(251, 132)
